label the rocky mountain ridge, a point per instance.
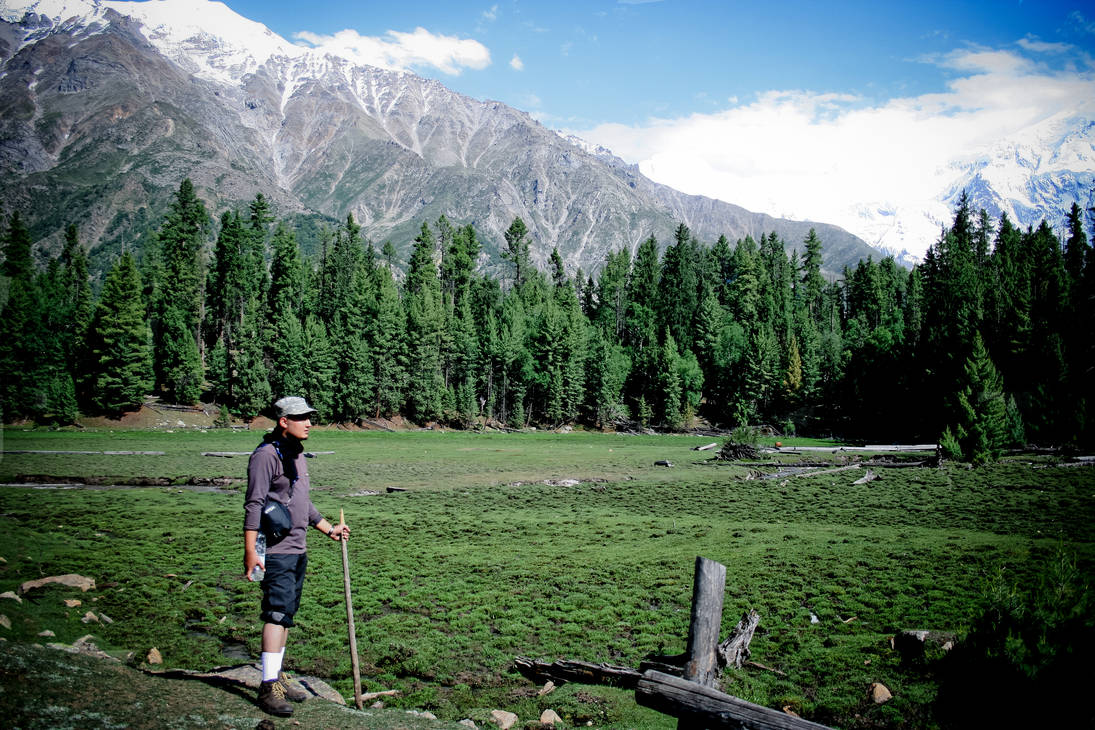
(105, 107)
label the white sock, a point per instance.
(271, 664)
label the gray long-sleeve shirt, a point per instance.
(266, 476)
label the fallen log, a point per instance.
(675, 696)
(567, 670)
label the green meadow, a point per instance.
(543, 545)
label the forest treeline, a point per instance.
(985, 345)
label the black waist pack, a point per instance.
(276, 520)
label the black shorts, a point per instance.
(282, 586)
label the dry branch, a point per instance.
(734, 650)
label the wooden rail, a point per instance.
(709, 708)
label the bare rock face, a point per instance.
(70, 579)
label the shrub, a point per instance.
(1031, 646)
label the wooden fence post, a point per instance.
(702, 664)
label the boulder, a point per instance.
(90, 618)
(548, 688)
(47, 634)
(504, 720)
(550, 717)
(73, 602)
(154, 656)
(879, 693)
(11, 595)
(5, 621)
(69, 579)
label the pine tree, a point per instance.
(679, 290)
(425, 326)
(387, 333)
(517, 251)
(19, 348)
(319, 387)
(18, 258)
(812, 281)
(982, 408)
(351, 289)
(120, 342)
(669, 382)
(607, 370)
(179, 307)
(77, 302)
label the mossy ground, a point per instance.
(481, 561)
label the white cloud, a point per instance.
(491, 14)
(403, 51)
(516, 63)
(825, 156)
(1036, 45)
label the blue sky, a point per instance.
(596, 61)
(809, 110)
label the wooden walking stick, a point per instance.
(350, 614)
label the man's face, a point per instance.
(296, 426)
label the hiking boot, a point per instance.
(292, 689)
(272, 699)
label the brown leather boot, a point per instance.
(293, 691)
(272, 699)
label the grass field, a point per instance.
(494, 551)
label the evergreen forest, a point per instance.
(986, 345)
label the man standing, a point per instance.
(277, 471)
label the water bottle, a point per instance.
(257, 573)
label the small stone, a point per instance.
(378, 705)
(11, 595)
(105, 619)
(504, 720)
(73, 602)
(90, 618)
(549, 717)
(548, 688)
(5, 621)
(154, 656)
(879, 694)
(47, 634)
(70, 579)
(466, 722)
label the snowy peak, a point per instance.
(205, 38)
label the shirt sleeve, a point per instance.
(260, 473)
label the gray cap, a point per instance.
(293, 405)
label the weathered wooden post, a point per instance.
(350, 616)
(702, 663)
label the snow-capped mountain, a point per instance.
(106, 106)
(1033, 175)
